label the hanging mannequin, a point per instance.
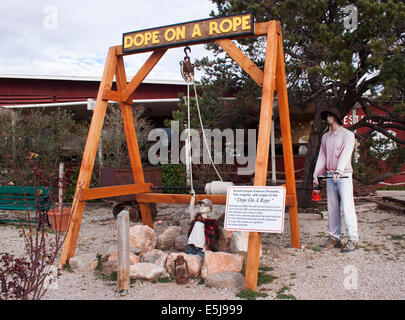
(203, 230)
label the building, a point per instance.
(78, 94)
(159, 97)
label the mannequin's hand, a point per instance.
(336, 176)
(315, 181)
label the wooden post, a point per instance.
(281, 85)
(123, 250)
(89, 155)
(262, 155)
(273, 154)
(128, 121)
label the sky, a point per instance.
(72, 37)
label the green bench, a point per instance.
(36, 200)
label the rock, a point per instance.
(221, 262)
(224, 242)
(155, 256)
(109, 267)
(218, 213)
(82, 263)
(193, 263)
(110, 250)
(94, 265)
(178, 217)
(367, 206)
(167, 239)
(135, 251)
(182, 219)
(147, 271)
(225, 280)
(180, 243)
(133, 259)
(239, 242)
(143, 237)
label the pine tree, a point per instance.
(327, 63)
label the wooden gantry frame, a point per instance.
(271, 79)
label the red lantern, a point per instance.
(316, 195)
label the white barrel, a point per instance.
(217, 187)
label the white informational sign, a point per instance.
(255, 208)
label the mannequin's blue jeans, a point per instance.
(192, 249)
(341, 202)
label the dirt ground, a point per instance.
(375, 271)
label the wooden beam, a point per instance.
(129, 127)
(120, 74)
(142, 73)
(262, 155)
(260, 29)
(115, 191)
(149, 197)
(113, 95)
(244, 62)
(89, 155)
(179, 198)
(284, 113)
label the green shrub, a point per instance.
(174, 175)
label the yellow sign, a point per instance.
(190, 32)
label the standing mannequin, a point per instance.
(202, 230)
(334, 159)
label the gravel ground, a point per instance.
(376, 271)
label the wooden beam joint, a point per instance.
(113, 95)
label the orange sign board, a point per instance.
(189, 32)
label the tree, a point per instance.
(330, 66)
(115, 150)
(52, 135)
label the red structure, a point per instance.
(160, 97)
(397, 180)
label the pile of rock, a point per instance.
(152, 257)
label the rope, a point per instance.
(203, 132)
(192, 201)
(187, 72)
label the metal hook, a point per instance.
(185, 51)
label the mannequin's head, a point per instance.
(205, 207)
(331, 116)
(330, 119)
